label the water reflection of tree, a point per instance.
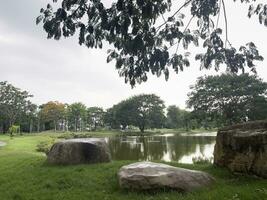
(181, 145)
(125, 149)
(155, 148)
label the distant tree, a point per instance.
(109, 119)
(148, 111)
(175, 117)
(258, 108)
(143, 111)
(14, 103)
(29, 120)
(172, 116)
(95, 117)
(53, 112)
(152, 36)
(179, 118)
(228, 98)
(202, 119)
(77, 116)
(187, 120)
(118, 115)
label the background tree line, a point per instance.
(214, 101)
(16, 109)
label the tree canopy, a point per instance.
(143, 111)
(14, 105)
(229, 98)
(76, 115)
(52, 112)
(145, 35)
(95, 117)
(176, 117)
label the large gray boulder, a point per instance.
(79, 151)
(243, 148)
(149, 175)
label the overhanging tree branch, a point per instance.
(176, 12)
(226, 25)
(139, 47)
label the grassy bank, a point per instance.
(108, 133)
(24, 175)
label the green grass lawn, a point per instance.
(24, 175)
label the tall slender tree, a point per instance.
(95, 117)
(77, 116)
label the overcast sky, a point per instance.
(66, 72)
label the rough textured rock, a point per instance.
(149, 175)
(79, 151)
(243, 148)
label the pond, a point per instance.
(169, 147)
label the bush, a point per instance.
(45, 146)
(13, 129)
(74, 135)
(202, 160)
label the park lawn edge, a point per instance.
(24, 174)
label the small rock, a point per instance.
(79, 151)
(149, 175)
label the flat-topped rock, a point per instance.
(243, 148)
(79, 151)
(149, 175)
(252, 125)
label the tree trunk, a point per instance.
(83, 125)
(38, 126)
(62, 125)
(95, 126)
(55, 124)
(67, 125)
(4, 128)
(30, 125)
(142, 128)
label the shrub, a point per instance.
(74, 135)
(202, 160)
(45, 146)
(13, 129)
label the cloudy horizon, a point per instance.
(66, 72)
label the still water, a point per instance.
(168, 147)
